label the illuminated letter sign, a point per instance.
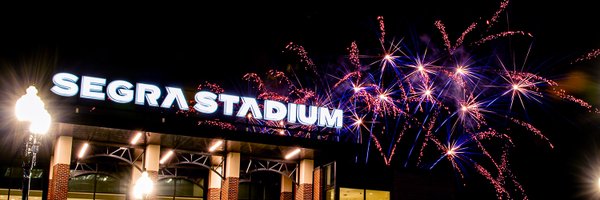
(120, 91)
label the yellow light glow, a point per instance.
(143, 186)
(215, 146)
(420, 68)
(292, 154)
(82, 150)
(427, 92)
(137, 137)
(166, 157)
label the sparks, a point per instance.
(388, 57)
(422, 99)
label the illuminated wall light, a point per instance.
(292, 154)
(166, 157)
(82, 150)
(215, 146)
(136, 138)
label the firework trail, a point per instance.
(500, 35)
(494, 18)
(301, 52)
(354, 55)
(440, 26)
(591, 55)
(381, 29)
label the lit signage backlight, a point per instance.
(121, 91)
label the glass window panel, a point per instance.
(330, 194)
(244, 191)
(186, 188)
(351, 194)
(84, 183)
(37, 173)
(378, 195)
(164, 187)
(108, 184)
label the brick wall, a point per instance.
(50, 184)
(286, 196)
(304, 192)
(317, 184)
(229, 188)
(214, 193)
(60, 182)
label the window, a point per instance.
(178, 187)
(362, 194)
(98, 186)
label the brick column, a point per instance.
(59, 184)
(286, 188)
(50, 173)
(214, 180)
(317, 184)
(230, 186)
(151, 162)
(305, 188)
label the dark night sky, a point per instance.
(181, 43)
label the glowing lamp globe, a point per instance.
(30, 108)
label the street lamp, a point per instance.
(30, 108)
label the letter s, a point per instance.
(64, 84)
(206, 102)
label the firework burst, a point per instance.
(445, 106)
(421, 109)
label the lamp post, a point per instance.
(30, 108)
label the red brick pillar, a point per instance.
(59, 185)
(214, 179)
(60, 188)
(286, 196)
(50, 173)
(286, 188)
(305, 188)
(230, 186)
(317, 184)
(214, 193)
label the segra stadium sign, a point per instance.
(121, 91)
